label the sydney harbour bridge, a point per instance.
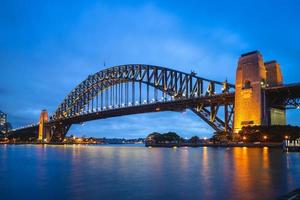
(258, 97)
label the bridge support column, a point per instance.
(249, 99)
(43, 133)
(252, 77)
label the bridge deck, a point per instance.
(288, 90)
(176, 105)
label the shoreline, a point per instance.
(261, 145)
(250, 145)
(25, 143)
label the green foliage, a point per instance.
(194, 140)
(170, 137)
(221, 137)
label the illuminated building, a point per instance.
(252, 76)
(3, 118)
(4, 125)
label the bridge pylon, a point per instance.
(253, 76)
(43, 133)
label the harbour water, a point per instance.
(136, 172)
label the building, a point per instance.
(3, 122)
(3, 118)
(253, 75)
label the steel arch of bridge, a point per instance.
(137, 85)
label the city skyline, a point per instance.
(60, 49)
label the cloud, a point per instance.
(67, 51)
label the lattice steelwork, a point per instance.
(288, 103)
(132, 89)
(138, 85)
(284, 96)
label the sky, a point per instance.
(48, 47)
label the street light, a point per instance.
(244, 138)
(286, 137)
(265, 137)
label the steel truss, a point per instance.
(292, 103)
(137, 85)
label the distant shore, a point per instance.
(166, 145)
(59, 143)
(271, 145)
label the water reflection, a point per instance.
(120, 172)
(265, 158)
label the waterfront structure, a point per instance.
(292, 145)
(259, 97)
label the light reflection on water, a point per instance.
(136, 172)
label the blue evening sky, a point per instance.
(48, 47)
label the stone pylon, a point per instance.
(253, 76)
(42, 129)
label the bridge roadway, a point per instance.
(287, 90)
(174, 105)
(284, 96)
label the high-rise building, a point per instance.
(3, 118)
(3, 122)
